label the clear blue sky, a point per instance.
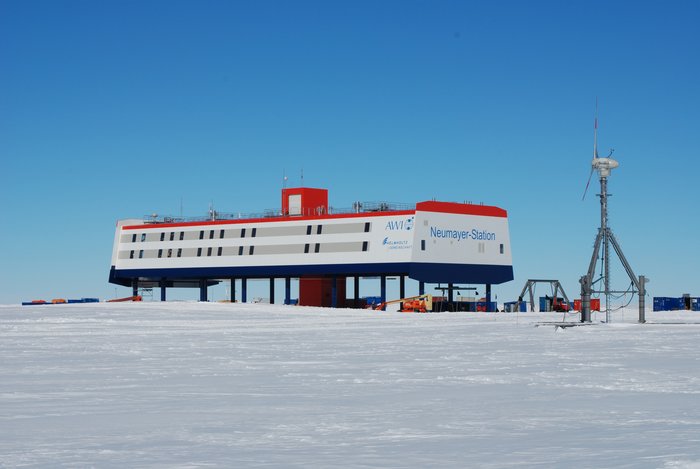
(113, 110)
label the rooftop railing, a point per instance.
(357, 207)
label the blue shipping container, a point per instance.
(485, 306)
(665, 303)
(659, 303)
(84, 300)
(695, 304)
(546, 303)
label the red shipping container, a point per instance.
(318, 292)
(595, 304)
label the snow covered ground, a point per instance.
(233, 385)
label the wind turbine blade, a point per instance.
(587, 184)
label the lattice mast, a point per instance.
(605, 238)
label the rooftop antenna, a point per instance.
(284, 179)
(302, 177)
(604, 239)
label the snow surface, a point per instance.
(240, 385)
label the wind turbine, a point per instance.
(604, 239)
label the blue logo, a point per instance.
(396, 244)
(400, 225)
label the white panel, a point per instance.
(461, 239)
(294, 202)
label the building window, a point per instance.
(319, 229)
(250, 251)
(162, 236)
(133, 238)
(201, 234)
(242, 232)
(221, 234)
(317, 248)
(211, 234)
(308, 229)
(143, 237)
(367, 227)
(131, 254)
(160, 253)
(170, 253)
(172, 236)
(240, 250)
(141, 254)
(220, 251)
(182, 235)
(306, 247)
(209, 251)
(422, 245)
(365, 245)
(501, 249)
(179, 252)
(255, 230)
(199, 252)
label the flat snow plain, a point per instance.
(264, 386)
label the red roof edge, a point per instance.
(461, 209)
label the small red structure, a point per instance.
(304, 201)
(319, 291)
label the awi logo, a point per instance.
(400, 225)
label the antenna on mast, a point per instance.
(595, 130)
(595, 148)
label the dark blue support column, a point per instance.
(488, 297)
(382, 286)
(244, 290)
(203, 290)
(233, 290)
(450, 293)
(334, 292)
(421, 288)
(272, 291)
(287, 290)
(135, 287)
(356, 288)
(161, 284)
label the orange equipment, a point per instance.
(128, 298)
(412, 304)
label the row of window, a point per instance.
(338, 228)
(481, 247)
(357, 246)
